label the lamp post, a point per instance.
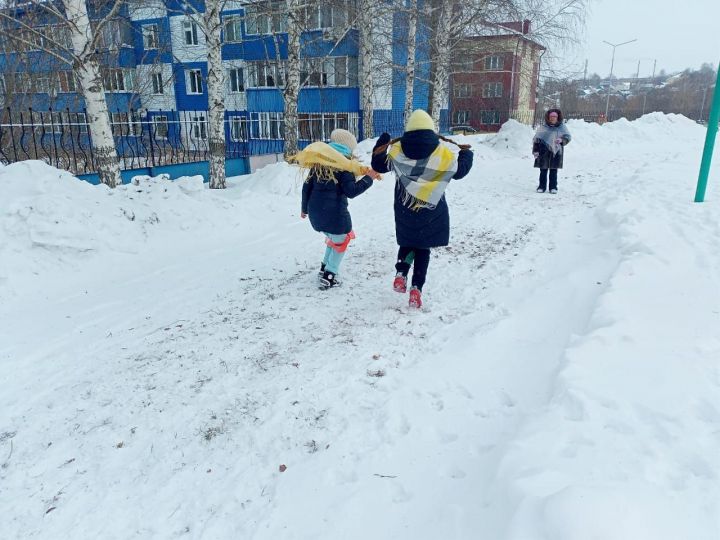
(612, 64)
(712, 130)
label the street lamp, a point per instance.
(612, 64)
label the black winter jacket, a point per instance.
(326, 202)
(424, 228)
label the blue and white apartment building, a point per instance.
(156, 68)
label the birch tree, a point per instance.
(212, 26)
(412, 17)
(443, 42)
(291, 92)
(365, 65)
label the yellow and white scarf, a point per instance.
(423, 180)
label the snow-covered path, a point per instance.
(155, 394)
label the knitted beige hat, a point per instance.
(419, 119)
(344, 137)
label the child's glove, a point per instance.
(383, 139)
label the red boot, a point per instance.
(400, 283)
(415, 298)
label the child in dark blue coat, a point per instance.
(326, 202)
(423, 168)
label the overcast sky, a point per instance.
(678, 33)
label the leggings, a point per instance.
(421, 259)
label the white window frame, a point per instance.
(151, 36)
(159, 122)
(193, 77)
(493, 63)
(79, 120)
(326, 16)
(158, 83)
(190, 32)
(492, 90)
(462, 90)
(124, 121)
(236, 80)
(461, 118)
(119, 80)
(66, 79)
(238, 129)
(198, 127)
(234, 22)
(260, 71)
(265, 18)
(495, 120)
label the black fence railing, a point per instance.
(153, 139)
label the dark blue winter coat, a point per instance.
(423, 228)
(326, 202)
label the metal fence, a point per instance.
(155, 138)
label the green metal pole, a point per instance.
(709, 142)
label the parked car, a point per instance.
(462, 130)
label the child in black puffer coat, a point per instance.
(423, 168)
(326, 202)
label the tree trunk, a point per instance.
(292, 84)
(365, 24)
(216, 94)
(441, 61)
(410, 66)
(88, 71)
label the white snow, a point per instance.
(164, 350)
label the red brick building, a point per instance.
(495, 77)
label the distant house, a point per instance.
(495, 77)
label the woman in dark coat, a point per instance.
(423, 169)
(548, 148)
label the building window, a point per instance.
(461, 117)
(492, 90)
(123, 124)
(193, 81)
(150, 35)
(160, 126)
(319, 126)
(462, 90)
(78, 122)
(238, 128)
(493, 63)
(326, 16)
(66, 81)
(265, 18)
(490, 117)
(118, 80)
(198, 127)
(333, 71)
(110, 34)
(42, 85)
(268, 125)
(235, 77)
(464, 65)
(190, 30)
(266, 74)
(158, 86)
(233, 29)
